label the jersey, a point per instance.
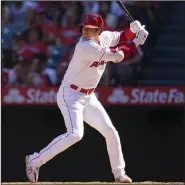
(89, 60)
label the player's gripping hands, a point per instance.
(140, 31)
(136, 26)
(141, 37)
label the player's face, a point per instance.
(90, 33)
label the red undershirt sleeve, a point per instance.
(126, 35)
(128, 49)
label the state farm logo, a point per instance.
(14, 96)
(39, 96)
(30, 96)
(131, 96)
(118, 96)
(146, 96)
(156, 96)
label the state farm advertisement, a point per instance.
(107, 96)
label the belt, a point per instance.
(82, 90)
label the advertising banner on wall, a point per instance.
(107, 96)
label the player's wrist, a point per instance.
(137, 42)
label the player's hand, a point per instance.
(135, 26)
(119, 55)
(141, 37)
(143, 34)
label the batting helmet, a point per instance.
(92, 20)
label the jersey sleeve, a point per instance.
(114, 38)
(93, 51)
(111, 37)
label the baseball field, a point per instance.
(96, 183)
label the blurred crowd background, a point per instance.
(38, 39)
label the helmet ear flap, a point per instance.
(100, 31)
(101, 22)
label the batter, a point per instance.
(76, 98)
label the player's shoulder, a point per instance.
(105, 33)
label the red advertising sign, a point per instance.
(107, 96)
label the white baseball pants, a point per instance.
(77, 107)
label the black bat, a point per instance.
(126, 11)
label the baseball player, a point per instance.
(76, 98)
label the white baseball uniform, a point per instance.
(84, 72)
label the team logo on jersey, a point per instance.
(96, 64)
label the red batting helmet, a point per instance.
(92, 20)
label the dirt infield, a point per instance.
(96, 183)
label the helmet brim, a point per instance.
(88, 26)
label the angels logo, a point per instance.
(118, 96)
(14, 96)
(96, 63)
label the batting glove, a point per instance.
(141, 37)
(135, 26)
(143, 34)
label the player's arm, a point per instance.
(117, 38)
(130, 33)
(126, 35)
(93, 51)
(130, 49)
(97, 53)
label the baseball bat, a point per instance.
(126, 11)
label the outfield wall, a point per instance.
(152, 141)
